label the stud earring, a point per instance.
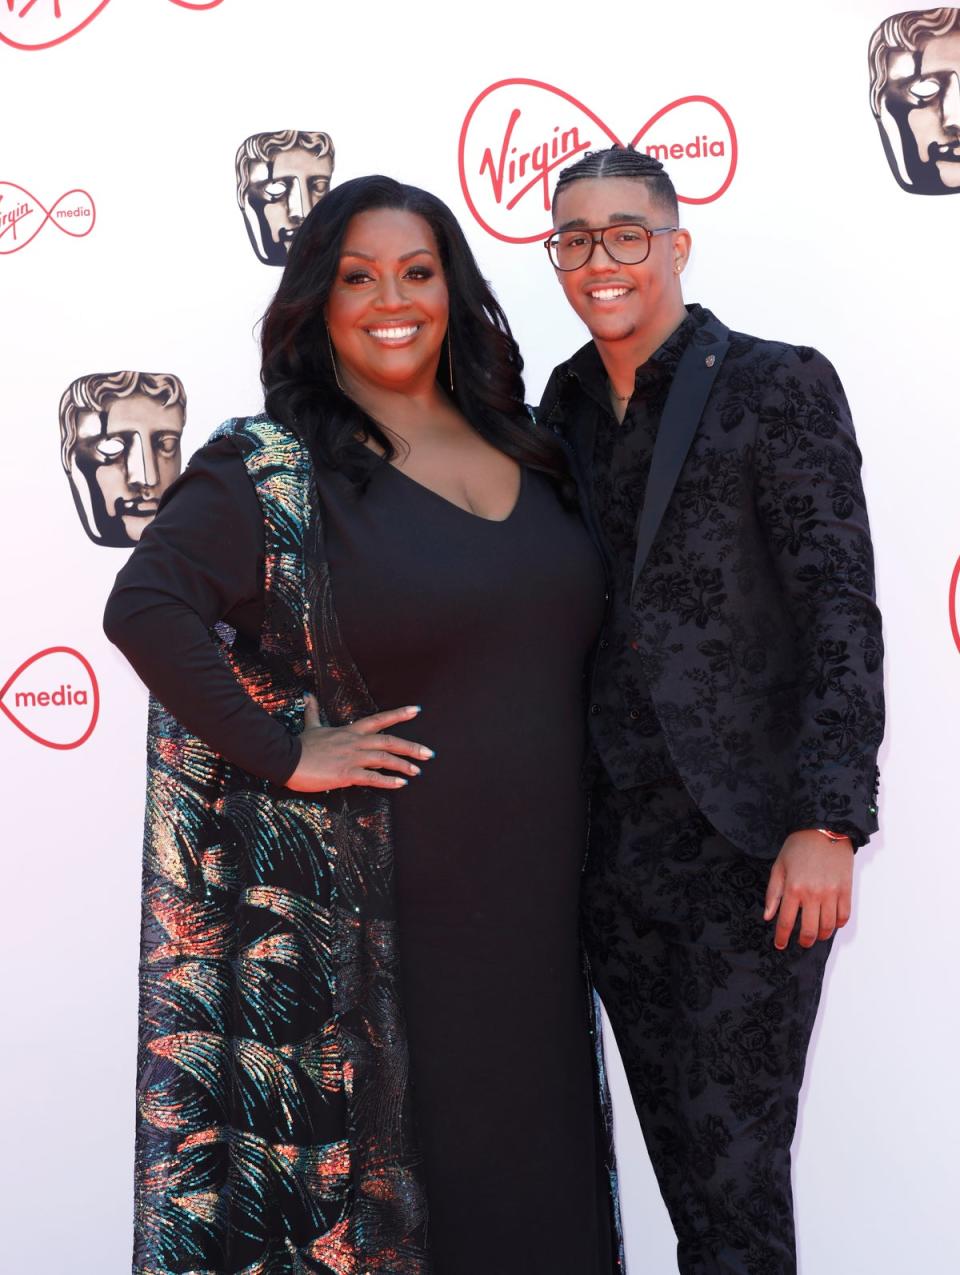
(333, 362)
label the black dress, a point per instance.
(487, 625)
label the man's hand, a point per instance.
(814, 876)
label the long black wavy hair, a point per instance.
(298, 374)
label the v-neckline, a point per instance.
(431, 491)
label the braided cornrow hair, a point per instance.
(622, 161)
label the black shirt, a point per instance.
(623, 720)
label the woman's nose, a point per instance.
(391, 295)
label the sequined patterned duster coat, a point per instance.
(274, 1133)
(274, 1127)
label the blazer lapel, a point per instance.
(682, 412)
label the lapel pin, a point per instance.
(711, 359)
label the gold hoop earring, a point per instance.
(333, 362)
(450, 359)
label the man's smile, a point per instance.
(607, 292)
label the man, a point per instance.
(120, 448)
(915, 98)
(281, 177)
(736, 703)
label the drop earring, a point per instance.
(333, 362)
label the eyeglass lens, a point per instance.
(629, 245)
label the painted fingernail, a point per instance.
(428, 753)
(401, 783)
(414, 708)
(416, 770)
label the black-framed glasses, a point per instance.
(626, 242)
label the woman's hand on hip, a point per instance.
(344, 756)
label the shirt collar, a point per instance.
(586, 366)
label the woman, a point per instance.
(365, 1043)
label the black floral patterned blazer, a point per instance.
(755, 624)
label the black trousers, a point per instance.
(712, 1022)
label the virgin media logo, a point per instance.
(955, 604)
(518, 133)
(53, 698)
(22, 216)
(40, 24)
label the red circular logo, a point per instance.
(954, 604)
(53, 698)
(519, 132)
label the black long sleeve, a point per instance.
(810, 500)
(199, 562)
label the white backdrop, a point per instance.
(812, 242)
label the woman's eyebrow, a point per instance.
(364, 256)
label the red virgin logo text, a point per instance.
(519, 132)
(40, 24)
(53, 698)
(22, 216)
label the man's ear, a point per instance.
(681, 248)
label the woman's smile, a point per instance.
(394, 333)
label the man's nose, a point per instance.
(295, 203)
(600, 260)
(951, 103)
(142, 468)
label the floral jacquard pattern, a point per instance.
(712, 1022)
(754, 623)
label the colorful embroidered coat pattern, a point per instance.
(274, 1129)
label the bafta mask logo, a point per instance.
(120, 448)
(281, 177)
(915, 98)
